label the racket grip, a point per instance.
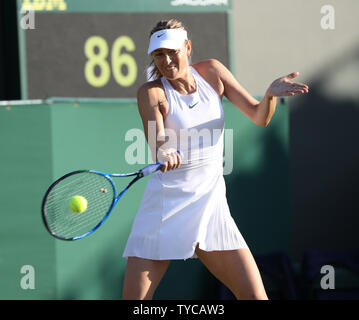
(151, 168)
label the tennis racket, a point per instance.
(100, 192)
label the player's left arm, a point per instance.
(260, 112)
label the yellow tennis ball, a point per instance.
(78, 204)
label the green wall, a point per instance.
(42, 140)
(119, 6)
(25, 171)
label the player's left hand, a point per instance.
(284, 87)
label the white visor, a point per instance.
(167, 38)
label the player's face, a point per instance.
(172, 63)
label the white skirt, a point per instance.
(180, 209)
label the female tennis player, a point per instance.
(184, 212)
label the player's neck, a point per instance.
(184, 84)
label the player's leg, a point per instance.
(142, 277)
(236, 269)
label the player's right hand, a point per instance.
(170, 158)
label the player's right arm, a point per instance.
(152, 104)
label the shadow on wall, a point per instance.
(324, 160)
(259, 199)
(323, 184)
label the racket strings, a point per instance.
(57, 204)
(61, 220)
(66, 223)
(76, 229)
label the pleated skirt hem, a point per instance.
(191, 255)
(145, 251)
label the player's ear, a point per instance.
(188, 47)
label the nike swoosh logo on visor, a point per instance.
(160, 35)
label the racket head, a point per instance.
(98, 189)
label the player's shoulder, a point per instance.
(211, 69)
(151, 91)
(151, 88)
(209, 65)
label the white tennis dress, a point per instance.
(187, 206)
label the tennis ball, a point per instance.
(78, 204)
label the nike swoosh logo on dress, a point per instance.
(193, 105)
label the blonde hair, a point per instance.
(163, 24)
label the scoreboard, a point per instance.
(98, 48)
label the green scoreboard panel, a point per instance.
(97, 48)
